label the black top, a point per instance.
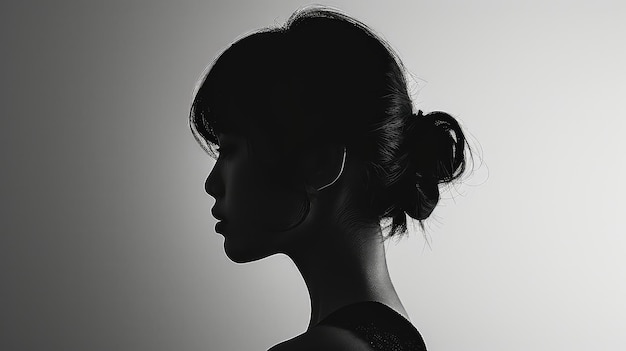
(379, 325)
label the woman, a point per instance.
(317, 143)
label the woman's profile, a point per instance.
(317, 143)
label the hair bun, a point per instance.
(435, 146)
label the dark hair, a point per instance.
(326, 77)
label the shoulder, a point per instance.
(324, 337)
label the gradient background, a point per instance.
(107, 242)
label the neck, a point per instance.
(339, 271)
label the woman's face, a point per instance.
(254, 199)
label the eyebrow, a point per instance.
(230, 139)
(221, 140)
(224, 141)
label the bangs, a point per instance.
(207, 122)
(235, 96)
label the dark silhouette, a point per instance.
(316, 144)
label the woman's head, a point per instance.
(325, 79)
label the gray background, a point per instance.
(107, 242)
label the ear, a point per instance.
(321, 164)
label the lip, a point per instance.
(217, 214)
(219, 226)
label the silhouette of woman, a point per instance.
(316, 143)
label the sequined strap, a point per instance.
(379, 325)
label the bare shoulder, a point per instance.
(327, 338)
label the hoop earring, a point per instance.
(343, 162)
(307, 206)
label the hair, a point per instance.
(326, 77)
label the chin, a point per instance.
(244, 253)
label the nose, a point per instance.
(211, 185)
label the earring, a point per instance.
(343, 162)
(307, 202)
